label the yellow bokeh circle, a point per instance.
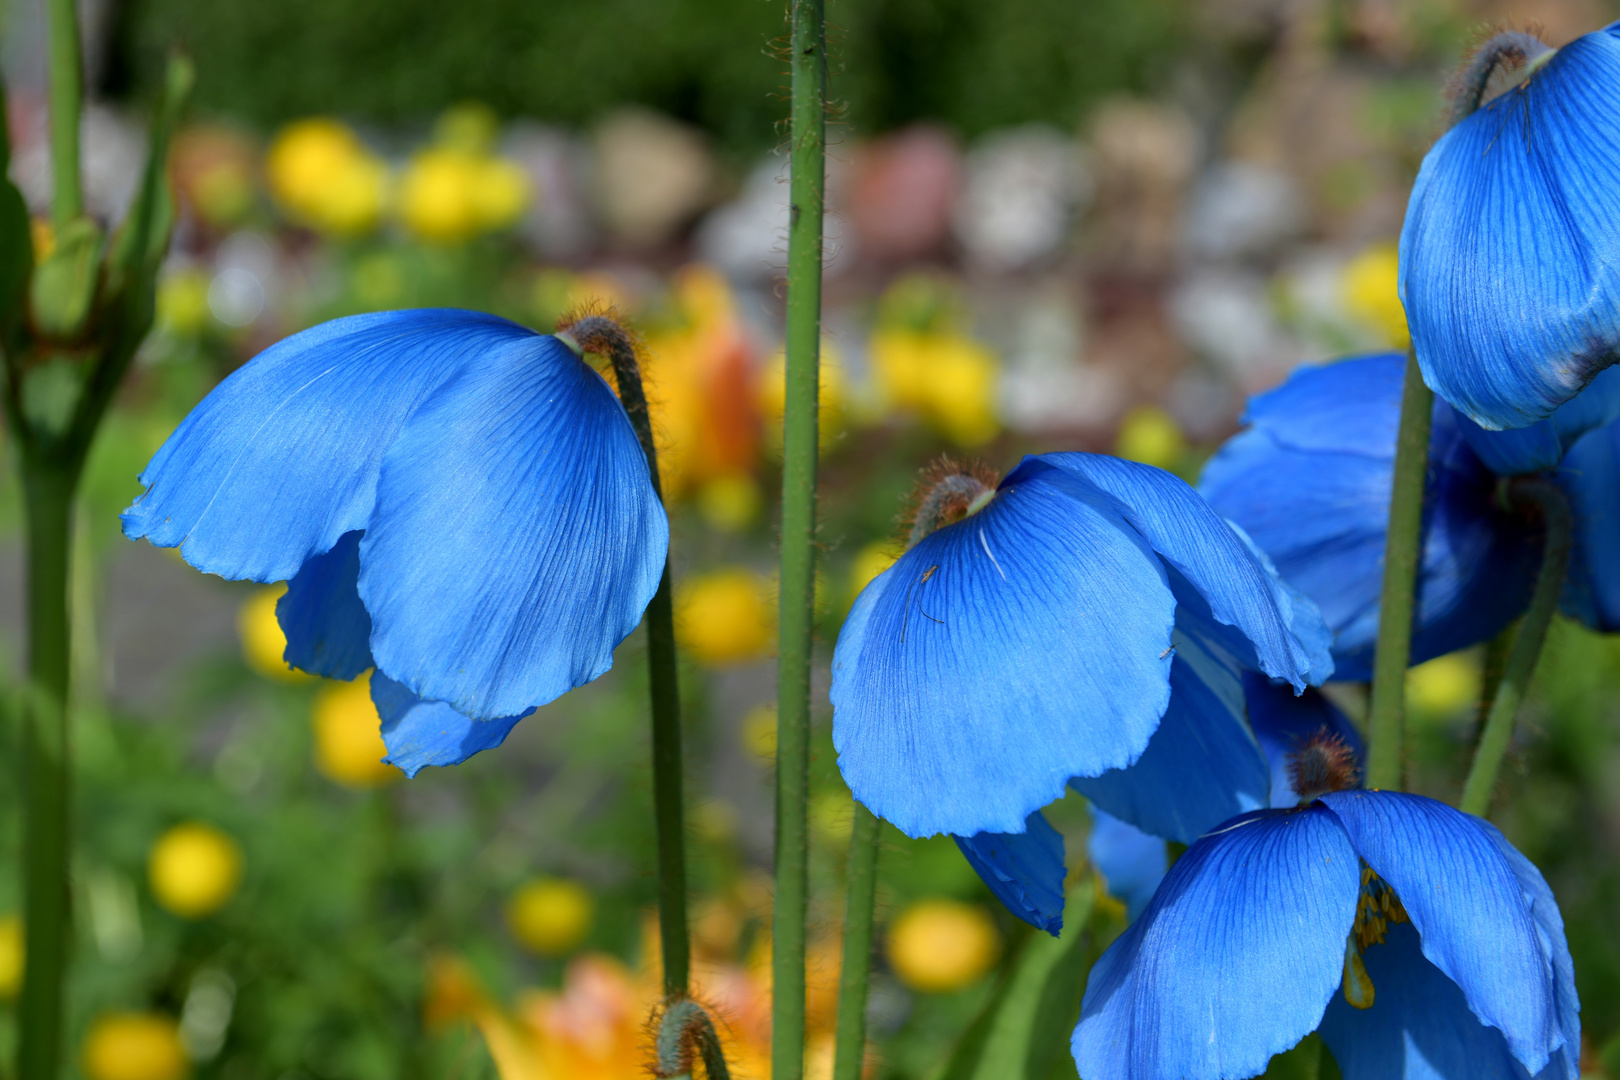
(194, 869)
(263, 642)
(938, 945)
(550, 916)
(348, 738)
(11, 956)
(323, 176)
(726, 616)
(1150, 435)
(134, 1046)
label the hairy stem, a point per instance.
(1403, 548)
(807, 181)
(1549, 500)
(853, 978)
(1507, 50)
(66, 80)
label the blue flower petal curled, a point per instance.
(1419, 1026)
(1543, 444)
(1283, 720)
(282, 458)
(327, 627)
(1233, 961)
(1467, 906)
(420, 733)
(1024, 870)
(1309, 481)
(1202, 767)
(1132, 862)
(1000, 656)
(516, 538)
(1591, 477)
(1510, 254)
(1239, 589)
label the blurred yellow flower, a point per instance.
(832, 816)
(348, 737)
(449, 196)
(43, 236)
(731, 503)
(936, 946)
(948, 378)
(759, 733)
(182, 302)
(870, 561)
(726, 616)
(324, 177)
(1445, 685)
(1150, 435)
(263, 643)
(11, 956)
(1372, 293)
(134, 1046)
(470, 127)
(831, 398)
(194, 869)
(550, 916)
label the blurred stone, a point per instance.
(747, 237)
(558, 223)
(904, 189)
(1226, 315)
(1146, 154)
(1237, 209)
(112, 154)
(1046, 385)
(652, 175)
(1022, 189)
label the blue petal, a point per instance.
(328, 630)
(1311, 486)
(516, 539)
(1510, 272)
(1132, 862)
(1468, 907)
(1233, 961)
(1419, 1026)
(420, 733)
(1001, 656)
(1202, 766)
(1282, 720)
(281, 459)
(1024, 870)
(1237, 586)
(1591, 476)
(1543, 444)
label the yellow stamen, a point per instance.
(1358, 987)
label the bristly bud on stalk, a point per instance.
(947, 491)
(597, 327)
(1501, 49)
(683, 1035)
(1322, 763)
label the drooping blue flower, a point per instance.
(1414, 937)
(454, 499)
(1131, 861)
(1510, 254)
(1039, 639)
(1590, 475)
(1024, 870)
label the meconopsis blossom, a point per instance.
(1085, 621)
(452, 498)
(1310, 478)
(1510, 254)
(1413, 937)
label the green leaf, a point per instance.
(16, 243)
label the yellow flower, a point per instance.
(550, 916)
(1444, 686)
(831, 398)
(263, 642)
(832, 816)
(937, 946)
(759, 733)
(726, 616)
(1371, 292)
(194, 869)
(182, 302)
(324, 177)
(449, 196)
(11, 956)
(1150, 435)
(948, 378)
(134, 1046)
(348, 738)
(731, 503)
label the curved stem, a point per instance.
(807, 180)
(1403, 546)
(685, 1035)
(67, 96)
(854, 973)
(1546, 497)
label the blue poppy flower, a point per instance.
(454, 499)
(1131, 861)
(1510, 269)
(1413, 937)
(1590, 475)
(1309, 480)
(1040, 638)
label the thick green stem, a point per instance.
(1403, 547)
(67, 97)
(853, 979)
(1546, 497)
(48, 494)
(808, 163)
(1490, 675)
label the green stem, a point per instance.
(850, 1053)
(1490, 676)
(1403, 546)
(67, 97)
(1546, 497)
(808, 176)
(48, 494)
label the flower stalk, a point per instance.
(66, 79)
(1403, 553)
(1548, 499)
(799, 450)
(849, 1053)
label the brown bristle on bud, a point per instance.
(1494, 49)
(945, 492)
(1322, 763)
